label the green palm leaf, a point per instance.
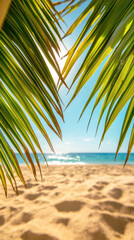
(29, 31)
(127, 120)
(108, 33)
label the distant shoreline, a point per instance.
(81, 159)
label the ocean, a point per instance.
(81, 158)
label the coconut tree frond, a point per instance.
(71, 6)
(108, 33)
(3, 179)
(125, 97)
(127, 121)
(11, 157)
(8, 171)
(130, 146)
(29, 39)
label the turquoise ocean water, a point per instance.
(82, 158)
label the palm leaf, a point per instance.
(127, 120)
(29, 31)
(108, 33)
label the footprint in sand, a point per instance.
(32, 196)
(69, 206)
(28, 235)
(115, 193)
(130, 184)
(99, 235)
(64, 221)
(2, 220)
(117, 223)
(103, 183)
(30, 185)
(49, 187)
(2, 208)
(57, 193)
(129, 210)
(112, 206)
(98, 187)
(95, 196)
(24, 218)
(12, 209)
(90, 189)
(64, 174)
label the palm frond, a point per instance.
(30, 32)
(108, 33)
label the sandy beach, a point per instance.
(88, 202)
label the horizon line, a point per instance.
(76, 152)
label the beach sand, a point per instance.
(78, 202)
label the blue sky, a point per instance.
(75, 137)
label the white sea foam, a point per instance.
(65, 163)
(62, 157)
